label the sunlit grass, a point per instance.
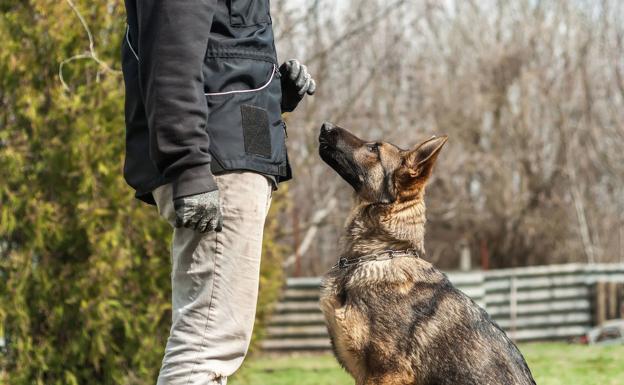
(551, 364)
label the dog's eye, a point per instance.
(374, 148)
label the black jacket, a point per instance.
(202, 94)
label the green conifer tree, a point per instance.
(84, 267)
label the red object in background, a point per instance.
(485, 256)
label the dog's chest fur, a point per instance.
(402, 322)
(367, 312)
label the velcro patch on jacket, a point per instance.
(256, 130)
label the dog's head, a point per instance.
(380, 172)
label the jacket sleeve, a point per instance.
(172, 43)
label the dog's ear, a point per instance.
(421, 159)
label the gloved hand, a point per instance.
(296, 82)
(200, 212)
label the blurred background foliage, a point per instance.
(84, 267)
(530, 93)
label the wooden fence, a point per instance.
(531, 303)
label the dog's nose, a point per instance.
(327, 127)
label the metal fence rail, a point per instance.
(530, 303)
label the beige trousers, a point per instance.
(215, 283)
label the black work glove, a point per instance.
(200, 212)
(296, 82)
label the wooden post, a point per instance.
(465, 260)
(612, 299)
(608, 301)
(599, 300)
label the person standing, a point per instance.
(205, 143)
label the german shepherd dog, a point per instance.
(399, 320)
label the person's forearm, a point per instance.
(171, 49)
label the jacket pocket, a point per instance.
(238, 79)
(244, 121)
(247, 13)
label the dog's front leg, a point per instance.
(348, 329)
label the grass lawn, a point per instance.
(551, 364)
